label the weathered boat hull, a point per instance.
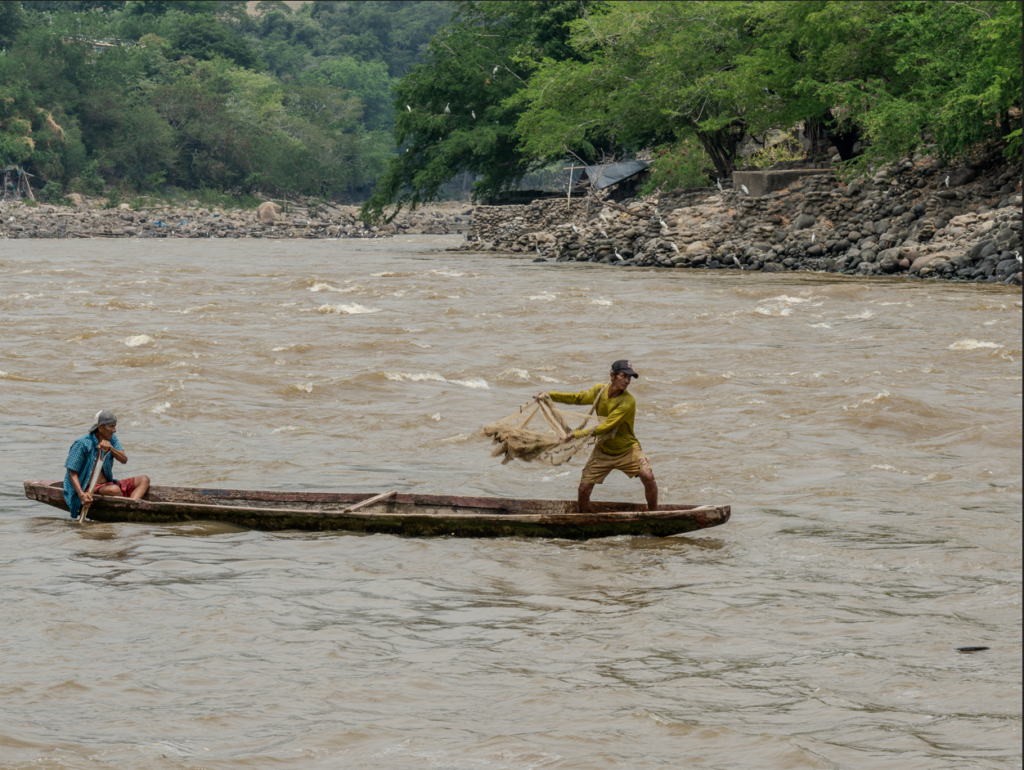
(401, 514)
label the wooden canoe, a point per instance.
(391, 513)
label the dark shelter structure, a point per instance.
(626, 176)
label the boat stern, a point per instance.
(49, 492)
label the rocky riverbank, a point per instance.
(89, 219)
(914, 218)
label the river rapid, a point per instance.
(866, 433)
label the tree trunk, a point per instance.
(721, 145)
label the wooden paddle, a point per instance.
(92, 485)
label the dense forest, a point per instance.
(143, 96)
(338, 98)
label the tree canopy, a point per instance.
(549, 80)
(141, 95)
(455, 113)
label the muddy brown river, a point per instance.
(866, 433)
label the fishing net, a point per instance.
(516, 441)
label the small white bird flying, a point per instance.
(446, 110)
(745, 190)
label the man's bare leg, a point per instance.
(108, 490)
(650, 489)
(141, 487)
(583, 497)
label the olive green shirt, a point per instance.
(619, 414)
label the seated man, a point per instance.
(82, 457)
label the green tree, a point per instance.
(893, 71)
(201, 36)
(12, 21)
(453, 114)
(368, 80)
(648, 74)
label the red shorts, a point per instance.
(127, 486)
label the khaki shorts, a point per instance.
(600, 464)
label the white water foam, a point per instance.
(870, 400)
(346, 309)
(778, 307)
(161, 408)
(469, 382)
(285, 429)
(141, 339)
(602, 302)
(306, 387)
(328, 287)
(546, 296)
(520, 373)
(974, 345)
(415, 376)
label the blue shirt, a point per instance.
(81, 459)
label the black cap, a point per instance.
(624, 366)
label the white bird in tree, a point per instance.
(745, 190)
(446, 110)
(495, 72)
(408, 108)
(473, 113)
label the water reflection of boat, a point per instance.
(392, 513)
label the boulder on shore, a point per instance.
(269, 211)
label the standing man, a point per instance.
(617, 446)
(82, 457)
